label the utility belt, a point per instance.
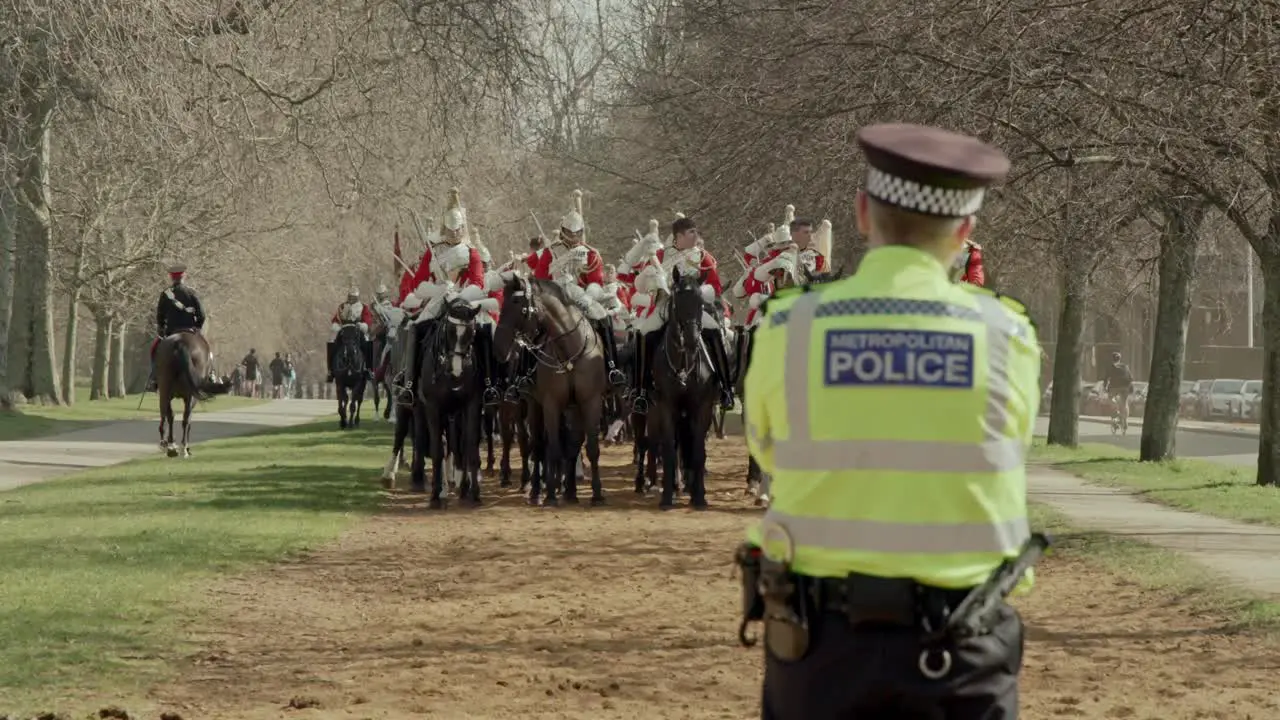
(789, 605)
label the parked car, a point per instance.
(1138, 399)
(1046, 397)
(1191, 392)
(1224, 400)
(1252, 400)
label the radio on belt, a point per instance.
(919, 358)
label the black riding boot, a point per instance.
(328, 361)
(368, 358)
(411, 354)
(528, 366)
(644, 373)
(484, 348)
(604, 328)
(720, 359)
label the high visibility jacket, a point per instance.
(894, 411)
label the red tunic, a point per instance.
(973, 271)
(707, 270)
(496, 295)
(593, 272)
(539, 262)
(624, 295)
(752, 286)
(473, 275)
(366, 315)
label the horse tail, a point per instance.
(201, 388)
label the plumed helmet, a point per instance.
(788, 214)
(822, 239)
(653, 235)
(382, 289)
(455, 216)
(574, 221)
(353, 294)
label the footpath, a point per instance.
(1249, 555)
(23, 462)
(1231, 429)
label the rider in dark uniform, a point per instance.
(177, 310)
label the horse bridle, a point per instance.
(532, 311)
(689, 357)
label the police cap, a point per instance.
(929, 170)
(177, 269)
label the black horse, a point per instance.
(403, 411)
(350, 374)
(686, 391)
(447, 407)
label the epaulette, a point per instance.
(1018, 307)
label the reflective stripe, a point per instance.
(896, 537)
(996, 453)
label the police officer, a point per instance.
(178, 309)
(912, 489)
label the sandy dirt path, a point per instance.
(626, 612)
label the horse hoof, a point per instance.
(572, 500)
(666, 504)
(550, 502)
(699, 505)
(171, 452)
(533, 500)
(506, 483)
(435, 504)
(597, 501)
(186, 453)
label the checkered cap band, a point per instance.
(926, 199)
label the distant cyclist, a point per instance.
(1119, 384)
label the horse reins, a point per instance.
(532, 307)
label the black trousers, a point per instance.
(872, 673)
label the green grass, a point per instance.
(31, 421)
(1210, 488)
(97, 569)
(1158, 569)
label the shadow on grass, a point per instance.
(14, 425)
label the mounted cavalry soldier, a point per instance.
(684, 255)
(580, 271)
(490, 305)
(352, 312)
(449, 266)
(539, 258)
(178, 310)
(968, 265)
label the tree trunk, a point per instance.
(32, 368)
(1179, 243)
(101, 351)
(115, 367)
(72, 329)
(8, 222)
(69, 348)
(1064, 407)
(1269, 428)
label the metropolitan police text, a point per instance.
(899, 357)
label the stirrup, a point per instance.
(490, 395)
(512, 393)
(640, 404)
(616, 377)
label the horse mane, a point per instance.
(552, 288)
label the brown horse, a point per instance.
(183, 369)
(570, 376)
